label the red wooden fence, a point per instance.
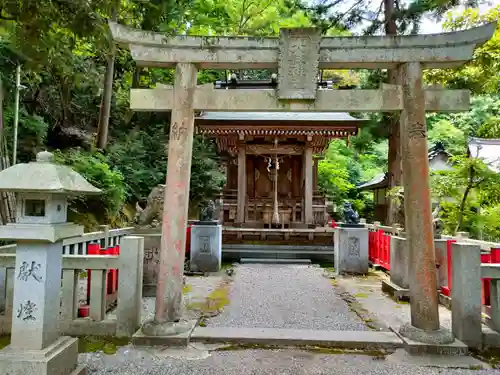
(379, 249)
(486, 257)
(379, 253)
(112, 274)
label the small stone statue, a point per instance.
(437, 223)
(350, 215)
(207, 211)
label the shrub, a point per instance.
(97, 170)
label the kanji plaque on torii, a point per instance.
(297, 55)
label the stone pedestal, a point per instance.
(466, 280)
(206, 247)
(351, 250)
(59, 358)
(400, 263)
(37, 295)
(36, 347)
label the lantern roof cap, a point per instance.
(45, 176)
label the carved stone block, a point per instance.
(298, 63)
(206, 248)
(351, 250)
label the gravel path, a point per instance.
(285, 296)
(130, 361)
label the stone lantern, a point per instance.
(42, 189)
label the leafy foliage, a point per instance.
(343, 168)
(97, 170)
(470, 184)
(481, 74)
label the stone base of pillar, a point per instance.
(59, 358)
(164, 334)
(439, 342)
(206, 247)
(439, 337)
(351, 250)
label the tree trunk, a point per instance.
(103, 127)
(395, 212)
(136, 79)
(460, 216)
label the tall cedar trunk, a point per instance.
(103, 127)
(395, 213)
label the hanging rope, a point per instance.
(276, 216)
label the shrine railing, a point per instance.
(92, 284)
(380, 243)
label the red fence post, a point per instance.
(446, 290)
(378, 247)
(387, 247)
(116, 251)
(109, 273)
(370, 247)
(486, 283)
(92, 249)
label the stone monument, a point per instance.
(351, 244)
(42, 189)
(206, 241)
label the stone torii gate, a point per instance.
(297, 55)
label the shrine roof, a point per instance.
(488, 150)
(279, 116)
(381, 181)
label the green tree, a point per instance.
(480, 75)
(343, 168)
(452, 138)
(464, 189)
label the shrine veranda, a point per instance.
(296, 56)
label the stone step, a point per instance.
(274, 261)
(364, 340)
(269, 251)
(277, 248)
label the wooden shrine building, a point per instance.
(256, 147)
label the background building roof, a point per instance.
(381, 181)
(487, 150)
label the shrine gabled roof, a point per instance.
(279, 116)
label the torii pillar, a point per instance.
(424, 326)
(175, 209)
